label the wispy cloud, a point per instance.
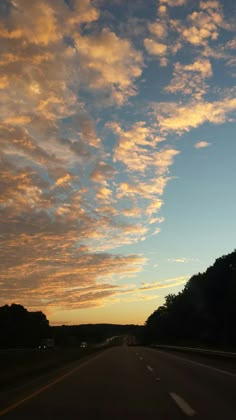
(182, 260)
(190, 115)
(201, 145)
(189, 79)
(165, 284)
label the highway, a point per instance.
(129, 383)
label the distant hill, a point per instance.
(92, 333)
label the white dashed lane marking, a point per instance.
(182, 404)
(149, 368)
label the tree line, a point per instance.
(22, 328)
(204, 313)
(92, 333)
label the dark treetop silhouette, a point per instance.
(21, 328)
(203, 313)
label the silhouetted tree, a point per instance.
(204, 312)
(21, 328)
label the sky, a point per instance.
(117, 152)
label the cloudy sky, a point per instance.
(117, 136)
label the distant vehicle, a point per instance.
(84, 345)
(47, 343)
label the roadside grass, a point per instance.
(23, 365)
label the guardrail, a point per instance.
(216, 353)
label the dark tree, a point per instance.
(21, 328)
(203, 313)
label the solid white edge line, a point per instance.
(199, 364)
(182, 404)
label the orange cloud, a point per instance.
(18, 120)
(203, 25)
(102, 172)
(191, 115)
(41, 22)
(63, 180)
(132, 212)
(202, 144)
(104, 194)
(51, 272)
(159, 29)
(111, 63)
(4, 82)
(190, 79)
(154, 47)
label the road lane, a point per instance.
(211, 392)
(134, 383)
(116, 385)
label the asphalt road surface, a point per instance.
(127, 383)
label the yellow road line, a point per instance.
(45, 387)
